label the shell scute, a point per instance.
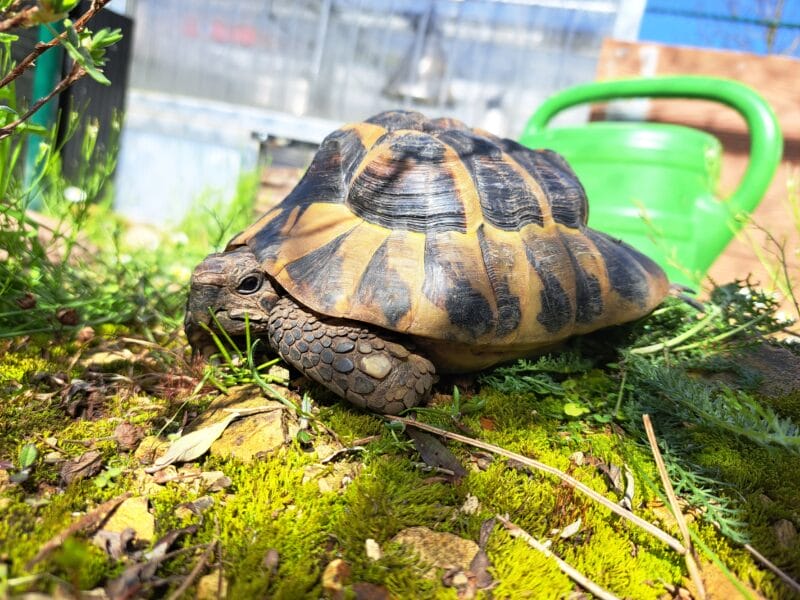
(430, 228)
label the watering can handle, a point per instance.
(766, 141)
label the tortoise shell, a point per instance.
(430, 228)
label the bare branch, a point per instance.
(74, 75)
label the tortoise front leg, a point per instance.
(355, 363)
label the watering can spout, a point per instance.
(667, 172)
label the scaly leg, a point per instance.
(350, 359)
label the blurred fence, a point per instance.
(336, 59)
(207, 74)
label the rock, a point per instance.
(252, 436)
(103, 360)
(373, 549)
(438, 549)
(215, 481)
(785, 532)
(150, 448)
(133, 513)
(209, 587)
(334, 578)
(471, 505)
(332, 477)
(370, 591)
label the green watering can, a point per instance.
(652, 184)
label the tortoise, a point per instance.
(413, 246)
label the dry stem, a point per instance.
(773, 567)
(691, 563)
(649, 527)
(195, 572)
(566, 568)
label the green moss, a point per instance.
(24, 529)
(15, 367)
(522, 572)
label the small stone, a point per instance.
(370, 591)
(438, 549)
(334, 578)
(271, 561)
(471, 505)
(215, 480)
(785, 532)
(210, 587)
(133, 513)
(373, 550)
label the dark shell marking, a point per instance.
(430, 228)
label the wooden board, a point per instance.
(774, 77)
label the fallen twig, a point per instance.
(566, 568)
(691, 563)
(91, 519)
(649, 527)
(195, 572)
(773, 567)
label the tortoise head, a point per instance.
(224, 288)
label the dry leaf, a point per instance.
(86, 465)
(67, 316)
(192, 445)
(435, 453)
(128, 435)
(27, 301)
(115, 543)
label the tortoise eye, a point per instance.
(249, 284)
